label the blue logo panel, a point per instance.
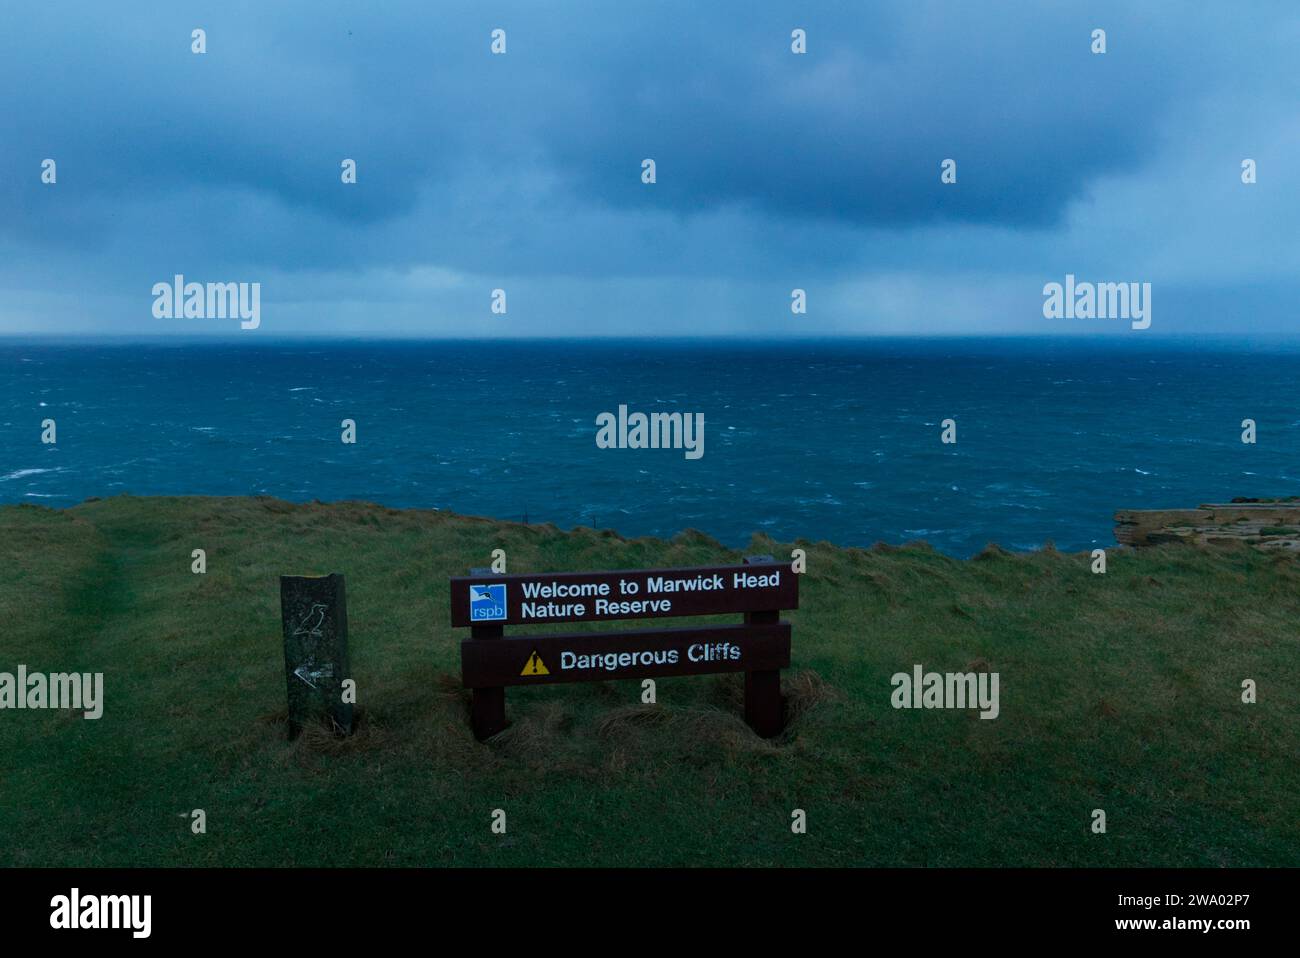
(487, 603)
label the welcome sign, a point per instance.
(636, 593)
(759, 647)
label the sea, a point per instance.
(837, 440)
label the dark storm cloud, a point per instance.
(855, 130)
(529, 164)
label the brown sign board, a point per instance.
(760, 647)
(627, 594)
(631, 654)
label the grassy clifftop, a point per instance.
(1119, 691)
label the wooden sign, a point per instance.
(634, 654)
(630, 594)
(759, 647)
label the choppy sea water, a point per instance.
(828, 440)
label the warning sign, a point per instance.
(535, 665)
(490, 661)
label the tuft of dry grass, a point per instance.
(640, 716)
(804, 691)
(367, 735)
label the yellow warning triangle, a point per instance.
(535, 665)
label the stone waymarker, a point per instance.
(760, 647)
(314, 613)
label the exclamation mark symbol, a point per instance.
(535, 665)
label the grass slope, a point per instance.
(1118, 691)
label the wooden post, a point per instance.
(487, 706)
(764, 707)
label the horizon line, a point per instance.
(242, 338)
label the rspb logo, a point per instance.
(487, 603)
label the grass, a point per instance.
(1119, 691)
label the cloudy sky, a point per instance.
(774, 170)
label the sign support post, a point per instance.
(487, 705)
(764, 707)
